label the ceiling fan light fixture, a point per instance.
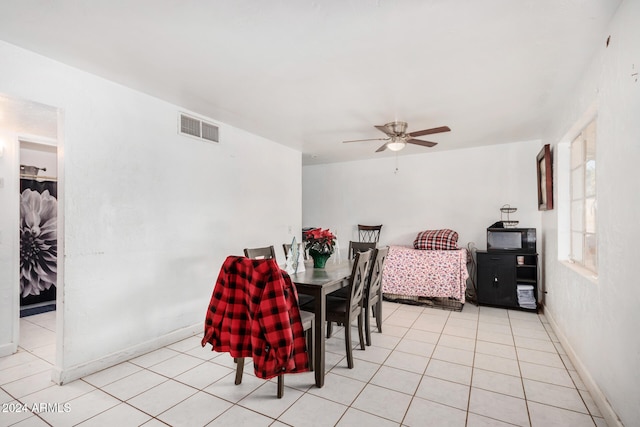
(396, 144)
(397, 137)
(397, 127)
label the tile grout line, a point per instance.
(372, 376)
(473, 367)
(524, 390)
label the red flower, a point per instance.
(320, 240)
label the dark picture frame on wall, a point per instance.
(545, 179)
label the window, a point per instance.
(583, 199)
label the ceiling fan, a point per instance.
(397, 137)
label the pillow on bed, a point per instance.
(436, 240)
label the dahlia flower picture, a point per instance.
(38, 242)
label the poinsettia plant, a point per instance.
(319, 240)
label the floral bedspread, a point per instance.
(416, 272)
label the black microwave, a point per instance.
(511, 240)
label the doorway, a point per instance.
(30, 161)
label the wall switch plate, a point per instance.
(1, 182)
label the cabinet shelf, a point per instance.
(498, 277)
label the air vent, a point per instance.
(209, 132)
(189, 126)
(197, 128)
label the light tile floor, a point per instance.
(478, 367)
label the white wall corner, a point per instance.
(598, 397)
(66, 375)
(8, 349)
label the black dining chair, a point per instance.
(237, 297)
(369, 233)
(355, 247)
(308, 321)
(373, 294)
(268, 252)
(346, 310)
(372, 300)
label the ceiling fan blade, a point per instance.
(429, 131)
(384, 130)
(369, 139)
(384, 147)
(420, 142)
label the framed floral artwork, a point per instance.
(38, 242)
(545, 179)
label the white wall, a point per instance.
(9, 235)
(41, 156)
(149, 215)
(598, 322)
(459, 189)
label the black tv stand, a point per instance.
(500, 276)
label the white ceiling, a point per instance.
(310, 74)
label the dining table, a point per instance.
(318, 282)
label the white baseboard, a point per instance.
(63, 376)
(8, 349)
(598, 397)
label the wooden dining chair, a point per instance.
(268, 252)
(355, 247)
(308, 322)
(372, 299)
(246, 291)
(373, 294)
(369, 233)
(346, 310)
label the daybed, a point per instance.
(437, 272)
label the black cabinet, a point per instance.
(508, 279)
